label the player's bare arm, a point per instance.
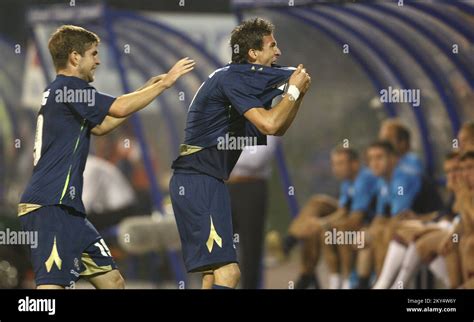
(127, 104)
(110, 122)
(447, 244)
(278, 119)
(298, 103)
(132, 102)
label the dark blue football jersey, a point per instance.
(216, 114)
(70, 109)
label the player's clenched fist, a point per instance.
(182, 67)
(301, 79)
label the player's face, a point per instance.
(468, 172)
(269, 53)
(378, 161)
(341, 166)
(89, 63)
(388, 133)
(452, 170)
(466, 141)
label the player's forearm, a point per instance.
(291, 116)
(132, 102)
(469, 212)
(282, 115)
(466, 220)
(109, 124)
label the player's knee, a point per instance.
(234, 273)
(50, 287)
(322, 205)
(230, 274)
(422, 250)
(316, 201)
(117, 282)
(207, 280)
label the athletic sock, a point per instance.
(334, 281)
(346, 284)
(410, 264)
(220, 287)
(391, 265)
(439, 269)
(289, 243)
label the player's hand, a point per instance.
(182, 67)
(301, 79)
(306, 88)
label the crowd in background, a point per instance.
(391, 219)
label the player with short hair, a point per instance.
(466, 136)
(398, 188)
(321, 214)
(415, 240)
(461, 239)
(395, 132)
(361, 193)
(68, 244)
(231, 106)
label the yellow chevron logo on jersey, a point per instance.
(213, 237)
(53, 258)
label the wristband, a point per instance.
(294, 92)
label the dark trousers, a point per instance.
(249, 207)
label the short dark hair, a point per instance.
(69, 38)
(403, 134)
(467, 155)
(401, 131)
(352, 154)
(249, 35)
(384, 145)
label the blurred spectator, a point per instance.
(248, 191)
(466, 137)
(322, 212)
(107, 194)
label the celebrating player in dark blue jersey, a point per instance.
(68, 245)
(230, 110)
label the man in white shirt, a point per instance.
(249, 198)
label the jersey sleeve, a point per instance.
(93, 105)
(382, 207)
(404, 189)
(242, 93)
(365, 187)
(343, 194)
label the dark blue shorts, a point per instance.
(68, 246)
(201, 205)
